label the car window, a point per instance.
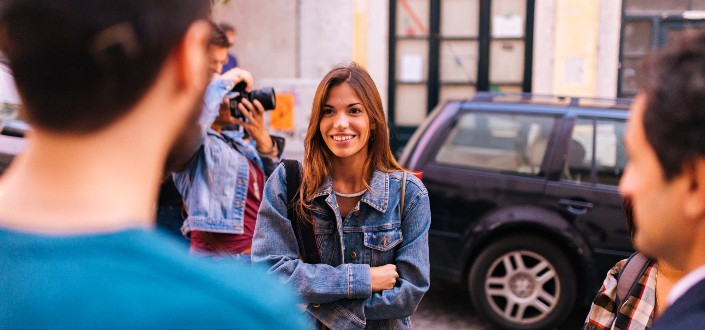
(498, 141)
(9, 99)
(598, 144)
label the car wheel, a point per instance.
(523, 282)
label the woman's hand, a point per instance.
(383, 277)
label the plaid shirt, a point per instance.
(636, 312)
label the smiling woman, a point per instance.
(368, 215)
(345, 125)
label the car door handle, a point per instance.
(576, 207)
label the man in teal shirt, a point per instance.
(112, 90)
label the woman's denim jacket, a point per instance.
(214, 186)
(338, 289)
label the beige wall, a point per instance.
(576, 47)
(544, 40)
(306, 38)
(608, 48)
(575, 50)
(266, 42)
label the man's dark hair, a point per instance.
(82, 64)
(628, 206)
(227, 27)
(218, 36)
(673, 81)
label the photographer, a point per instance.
(222, 186)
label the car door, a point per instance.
(586, 190)
(478, 161)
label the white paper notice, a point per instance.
(411, 68)
(507, 26)
(573, 71)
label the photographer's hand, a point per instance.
(254, 125)
(237, 75)
(224, 117)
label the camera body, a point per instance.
(265, 95)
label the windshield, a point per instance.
(9, 99)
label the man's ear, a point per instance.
(192, 57)
(694, 204)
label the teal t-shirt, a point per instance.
(133, 279)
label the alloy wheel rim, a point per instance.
(522, 286)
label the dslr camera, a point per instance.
(264, 95)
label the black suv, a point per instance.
(524, 201)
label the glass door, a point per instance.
(442, 50)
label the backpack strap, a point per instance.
(304, 230)
(629, 276)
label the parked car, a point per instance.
(524, 201)
(12, 129)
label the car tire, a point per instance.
(523, 282)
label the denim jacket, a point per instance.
(338, 289)
(214, 186)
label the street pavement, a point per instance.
(447, 306)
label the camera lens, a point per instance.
(266, 96)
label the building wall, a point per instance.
(326, 36)
(576, 48)
(267, 41)
(544, 41)
(306, 38)
(608, 48)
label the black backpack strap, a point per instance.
(304, 230)
(629, 276)
(403, 195)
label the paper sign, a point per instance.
(411, 68)
(507, 26)
(282, 117)
(573, 71)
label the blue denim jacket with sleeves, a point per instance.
(214, 186)
(338, 289)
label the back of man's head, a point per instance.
(80, 65)
(219, 37)
(227, 28)
(673, 80)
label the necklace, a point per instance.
(357, 194)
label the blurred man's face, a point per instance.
(218, 57)
(660, 226)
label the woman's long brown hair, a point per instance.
(318, 158)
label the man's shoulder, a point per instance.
(143, 275)
(688, 312)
